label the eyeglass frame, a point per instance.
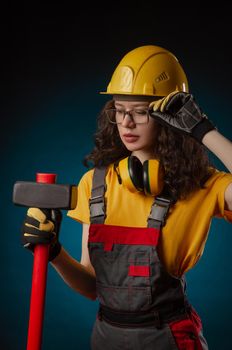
(129, 113)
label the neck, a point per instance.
(143, 155)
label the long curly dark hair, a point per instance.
(185, 160)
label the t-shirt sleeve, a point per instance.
(221, 186)
(81, 212)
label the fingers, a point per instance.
(37, 214)
(31, 235)
(42, 226)
(37, 229)
(162, 118)
(166, 100)
(155, 105)
(38, 218)
(162, 103)
(177, 101)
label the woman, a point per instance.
(146, 207)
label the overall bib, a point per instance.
(142, 307)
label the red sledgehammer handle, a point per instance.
(38, 287)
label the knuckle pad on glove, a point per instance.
(37, 214)
(48, 226)
(155, 105)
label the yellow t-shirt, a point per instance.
(183, 237)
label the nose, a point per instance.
(128, 121)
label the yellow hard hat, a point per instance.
(148, 71)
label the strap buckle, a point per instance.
(96, 209)
(97, 202)
(96, 206)
(159, 210)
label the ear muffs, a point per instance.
(138, 177)
(131, 173)
(153, 177)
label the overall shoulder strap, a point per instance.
(97, 201)
(159, 212)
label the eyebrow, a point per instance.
(134, 105)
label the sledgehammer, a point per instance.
(44, 193)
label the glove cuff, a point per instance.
(202, 128)
(54, 250)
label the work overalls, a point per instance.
(142, 307)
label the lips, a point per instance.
(130, 138)
(129, 134)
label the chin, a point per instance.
(132, 148)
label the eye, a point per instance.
(140, 111)
(120, 111)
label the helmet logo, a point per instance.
(126, 78)
(163, 76)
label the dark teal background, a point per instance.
(55, 61)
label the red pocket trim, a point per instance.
(108, 246)
(137, 270)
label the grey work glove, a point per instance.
(180, 111)
(42, 226)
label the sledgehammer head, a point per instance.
(44, 195)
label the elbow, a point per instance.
(93, 297)
(89, 294)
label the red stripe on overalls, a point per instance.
(110, 235)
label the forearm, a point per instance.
(220, 146)
(75, 275)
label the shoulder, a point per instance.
(218, 180)
(212, 191)
(87, 177)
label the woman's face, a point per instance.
(136, 137)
